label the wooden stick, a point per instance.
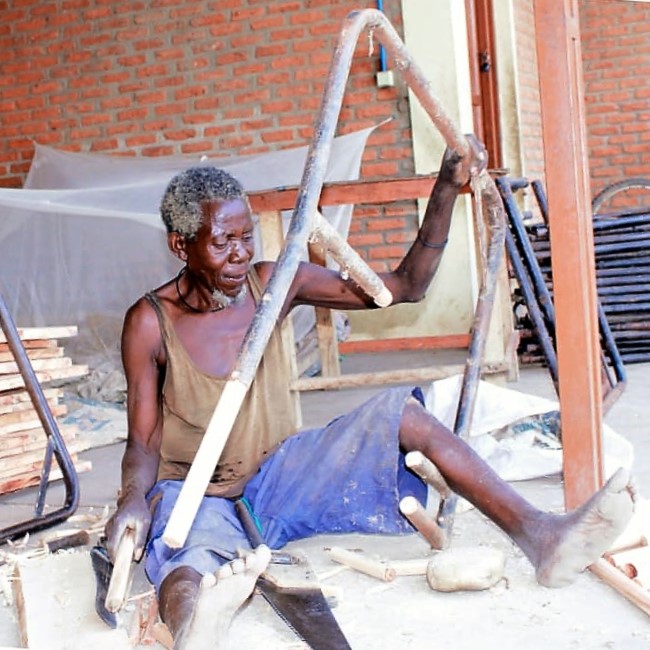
(365, 565)
(204, 462)
(619, 581)
(121, 576)
(426, 525)
(632, 543)
(427, 471)
(350, 261)
(375, 378)
(415, 567)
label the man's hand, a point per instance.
(132, 513)
(457, 170)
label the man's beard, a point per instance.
(220, 299)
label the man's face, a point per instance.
(222, 251)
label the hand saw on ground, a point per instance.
(292, 590)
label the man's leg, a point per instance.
(198, 609)
(558, 546)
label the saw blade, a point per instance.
(307, 613)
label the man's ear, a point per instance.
(177, 245)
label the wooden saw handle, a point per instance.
(120, 577)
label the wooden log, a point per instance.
(370, 567)
(35, 333)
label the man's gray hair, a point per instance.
(180, 207)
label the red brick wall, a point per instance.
(220, 78)
(616, 55)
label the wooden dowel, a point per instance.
(428, 472)
(121, 576)
(626, 587)
(425, 525)
(204, 463)
(350, 261)
(365, 565)
(415, 567)
(634, 542)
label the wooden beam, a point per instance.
(353, 192)
(574, 283)
(37, 333)
(443, 342)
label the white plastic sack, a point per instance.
(516, 452)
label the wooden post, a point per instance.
(574, 283)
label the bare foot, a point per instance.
(220, 595)
(586, 533)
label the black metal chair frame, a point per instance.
(537, 297)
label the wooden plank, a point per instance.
(359, 380)
(11, 367)
(33, 353)
(32, 344)
(32, 439)
(55, 597)
(30, 480)
(24, 420)
(9, 382)
(325, 329)
(32, 461)
(26, 464)
(33, 333)
(450, 341)
(353, 192)
(20, 399)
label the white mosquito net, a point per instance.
(83, 240)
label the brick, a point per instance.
(235, 142)
(195, 147)
(160, 150)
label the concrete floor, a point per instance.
(628, 417)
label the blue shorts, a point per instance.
(346, 477)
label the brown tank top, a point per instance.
(189, 395)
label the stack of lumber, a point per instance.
(22, 438)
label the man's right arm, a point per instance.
(141, 357)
